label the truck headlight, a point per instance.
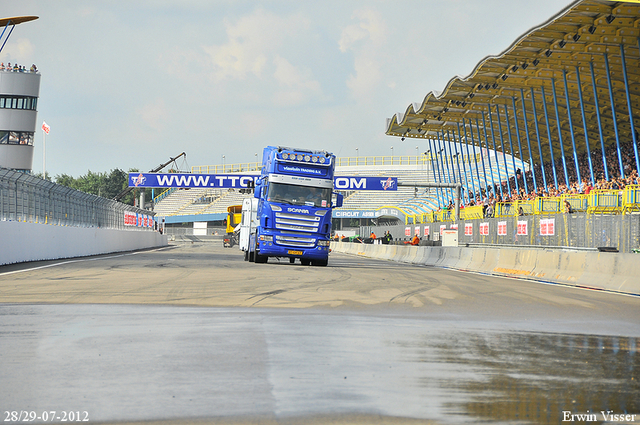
(266, 238)
(324, 243)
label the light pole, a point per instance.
(223, 157)
(391, 155)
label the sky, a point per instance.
(129, 84)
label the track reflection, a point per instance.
(167, 362)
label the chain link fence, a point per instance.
(577, 230)
(27, 198)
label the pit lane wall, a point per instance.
(617, 272)
(22, 242)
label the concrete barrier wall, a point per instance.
(21, 242)
(618, 272)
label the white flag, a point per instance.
(45, 127)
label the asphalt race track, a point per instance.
(193, 334)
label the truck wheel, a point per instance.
(305, 261)
(252, 257)
(246, 255)
(261, 258)
(322, 263)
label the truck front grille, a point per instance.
(298, 222)
(295, 241)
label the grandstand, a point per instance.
(187, 205)
(548, 126)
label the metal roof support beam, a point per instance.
(546, 119)
(458, 164)
(484, 170)
(571, 132)
(515, 117)
(504, 155)
(526, 132)
(452, 145)
(596, 103)
(495, 151)
(629, 106)
(460, 159)
(444, 163)
(613, 113)
(486, 143)
(8, 35)
(513, 157)
(464, 128)
(584, 126)
(535, 120)
(555, 104)
(434, 172)
(464, 166)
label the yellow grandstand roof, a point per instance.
(588, 33)
(16, 20)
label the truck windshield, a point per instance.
(299, 195)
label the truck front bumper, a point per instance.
(272, 250)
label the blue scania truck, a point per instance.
(290, 215)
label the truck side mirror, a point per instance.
(258, 191)
(339, 199)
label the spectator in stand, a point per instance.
(567, 207)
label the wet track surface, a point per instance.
(194, 333)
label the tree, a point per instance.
(100, 184)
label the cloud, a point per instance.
(20, 51)
(298, 85)
(154, 114)
(252, 41)
(371, 29)
(365, 40)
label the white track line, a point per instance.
(74, 261)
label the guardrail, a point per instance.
(27, 198)
(582, 230)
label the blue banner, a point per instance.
(226, 181)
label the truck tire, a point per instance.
(246, 255)
(305, 261)
(321, 263)
(260, 258)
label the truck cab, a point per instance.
(294, 201)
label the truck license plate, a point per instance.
(294, 252)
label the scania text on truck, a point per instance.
(293, 210)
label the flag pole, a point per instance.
(45, 131)
(44, 155)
